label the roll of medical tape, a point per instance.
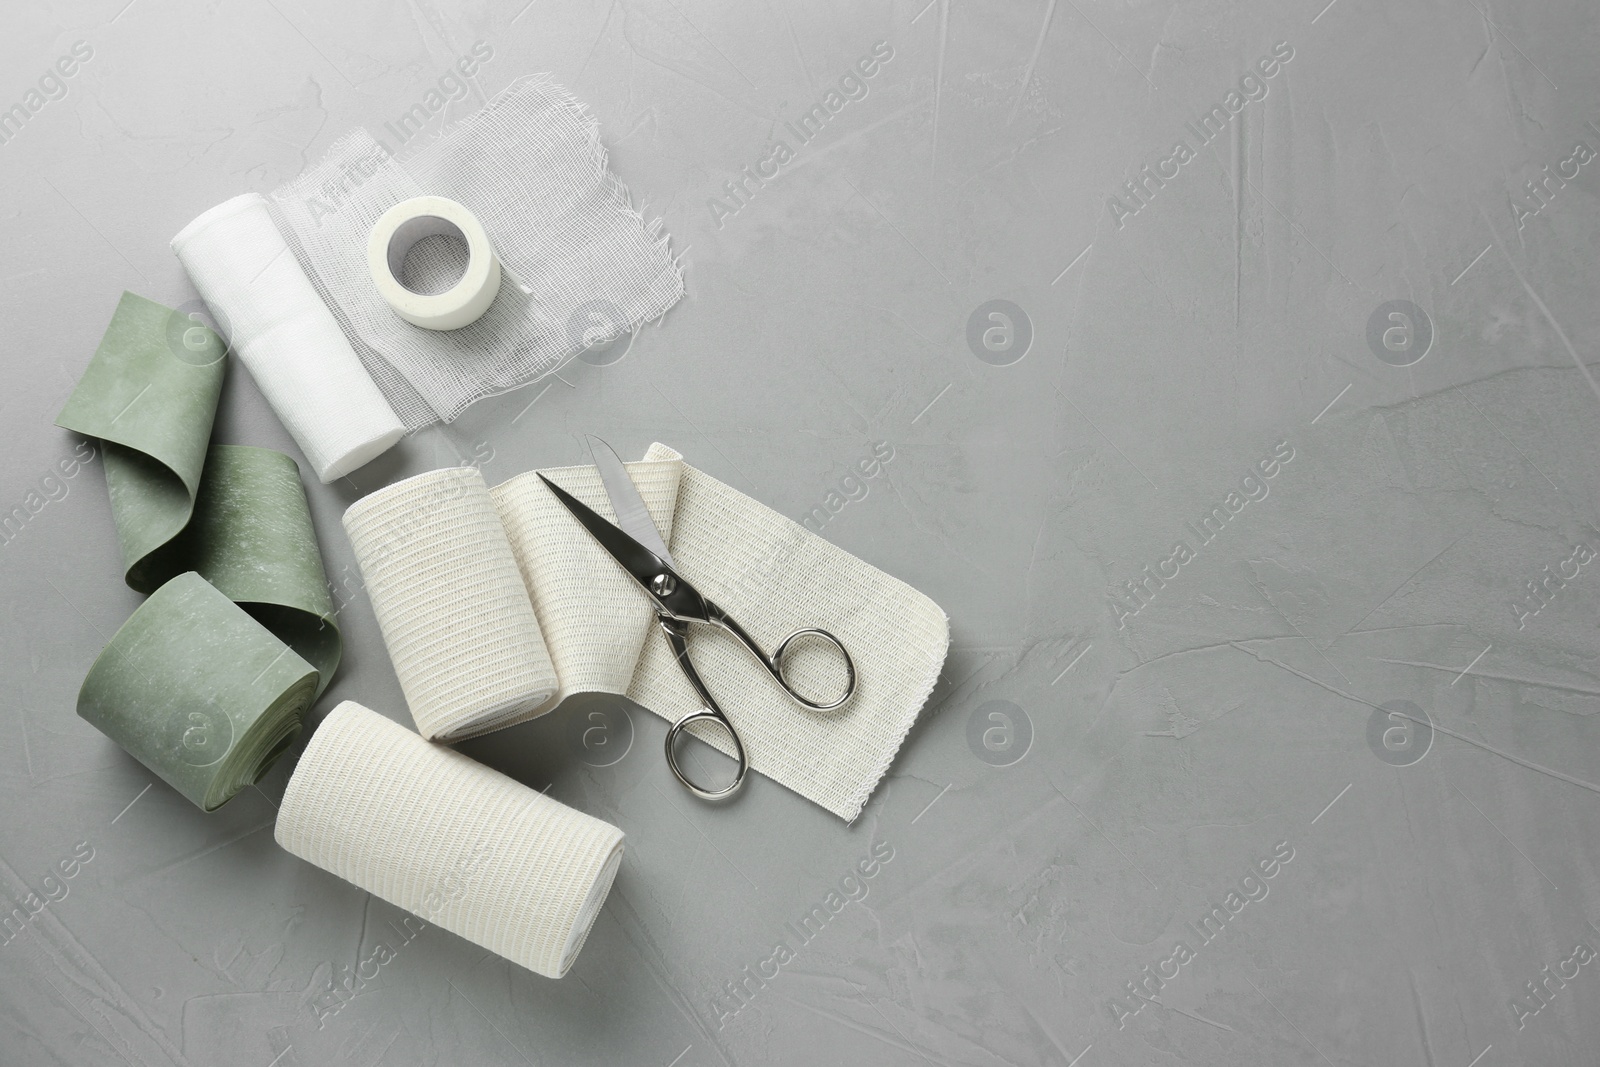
(398, 231)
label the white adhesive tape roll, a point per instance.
(399, 229)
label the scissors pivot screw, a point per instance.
(663, 584)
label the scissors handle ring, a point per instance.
(777, 664)
(677, 638)
(707, 715)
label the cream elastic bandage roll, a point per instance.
(460, 845)
(397, 232)
(286, 335)
(452, 604)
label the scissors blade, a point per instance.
(680, 600)
(632, 515)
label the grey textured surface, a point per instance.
(1351, 672)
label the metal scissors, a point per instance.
(637, 546)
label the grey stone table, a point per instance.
(1234, 359)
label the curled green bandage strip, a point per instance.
(236, 515)
(251, 537)
(198, 691)
(207, 681)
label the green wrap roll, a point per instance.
(198, 691)
(251, 537)
(150, 395)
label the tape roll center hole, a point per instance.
(428, 255)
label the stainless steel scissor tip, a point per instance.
(636, 544)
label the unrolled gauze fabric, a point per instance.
(280, 327)
(580, 263)
(444, 596)
(290, 271)
(463, 846)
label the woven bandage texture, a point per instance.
(594, 617)
(449, 622)
(431, 831)
(272, 316)
(775, 576)
(580, 264)
(451, 603)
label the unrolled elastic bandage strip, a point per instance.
(495, 605)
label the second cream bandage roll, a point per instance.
(452, 605)
(463, 846)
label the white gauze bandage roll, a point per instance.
(459, 844)
(452, 605)
(286, 335)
